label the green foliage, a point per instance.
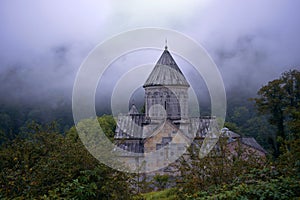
(280, 99)
(288, 163)
(266, 183)
(108, 125)
(245, 121)
(37, 162)
(240, 115)
(222, 178)
(106, 122)
(161, 181)
(15, 117)
(168, 194)
(259, 128)
(221, 166)
(278, 188)
(30, 165)
(98, 183)
(46, 164)
(232, 126)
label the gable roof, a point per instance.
(133, 110)
(166, 72)
(232, 134)
(129, 126)
(251, 142)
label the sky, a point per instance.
(43, 42)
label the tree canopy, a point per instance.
(280, 101)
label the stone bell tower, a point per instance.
(166, 90)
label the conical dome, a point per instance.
(166, 73)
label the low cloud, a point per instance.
(43, 43)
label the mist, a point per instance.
(43, 43)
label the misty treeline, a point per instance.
(45, 159)
(242, 117)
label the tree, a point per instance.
(161, 181)
(106, 122)
(48, 165)
(280, 100)
(108, 125)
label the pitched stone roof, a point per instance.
(250, 141)
(166, 72)
(232, 134)
(130, 126)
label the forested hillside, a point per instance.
(42, 157)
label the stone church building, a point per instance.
(166, 128)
